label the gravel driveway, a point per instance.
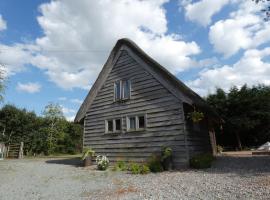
(229, 178)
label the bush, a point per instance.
(155, 164)
(120, 166)
(201, 161)
(145, 169)
(102, 162)
(136, 168)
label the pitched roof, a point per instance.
(192, 97)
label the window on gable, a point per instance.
(136, 123)
(122, 90)
(126, 89)
(117, 90)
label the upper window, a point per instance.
(136, 123)
(122, 90)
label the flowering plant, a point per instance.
(102, 162)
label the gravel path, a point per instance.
(229, 178)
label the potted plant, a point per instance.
(195, 116)
(88, 154)
(166, 158)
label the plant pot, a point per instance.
(87, 161)
(167, 163)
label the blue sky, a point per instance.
(52, 51)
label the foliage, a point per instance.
(201, 161)
(102, 162)
(120, 166)
(166, 153)
(87, 152)
(136, 168)
(19, 125)
(145, 169)
(195, 116)
(266, 9)
(2, 83)
(219, 149)
(154, 164)
(246, 112)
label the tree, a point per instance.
(266, 9)
(246, 112)
(54, 115)
(2, 83)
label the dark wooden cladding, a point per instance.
(165, 125)
(155, 94)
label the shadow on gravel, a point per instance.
(241, 165)
(76, 162)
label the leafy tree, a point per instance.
(2, 84)
(46, 134)
(246, 112)
(266, 9)
(54, 116)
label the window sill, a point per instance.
(113, 133)
(136, 131)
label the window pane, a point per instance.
(110, 125)
(117, 90)
(117, 124)
(132, 123)
(141, 122)
(126, 89)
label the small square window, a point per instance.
(132, 123)
(118, 124)
(141, 122)
(110, 126)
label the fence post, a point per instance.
(21, 151)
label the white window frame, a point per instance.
(114, 125)
(122, 90)
(136, 122)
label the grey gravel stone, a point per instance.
(229, 178)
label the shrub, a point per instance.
(166, 153)
(201, 161)
(136, 168)
(155, 165)
(145, 169)
(102, 162)
(120, 166)
(219, 149)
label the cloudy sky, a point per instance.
(52, 51)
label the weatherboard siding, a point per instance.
(164, 114)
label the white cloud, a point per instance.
(70, 118)
(251, 69)
(67, 111)
(202, 11)
(3, 23)
(28, 87)
(244, 29)
(62, 98)
(77, 101)
(96, 27)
